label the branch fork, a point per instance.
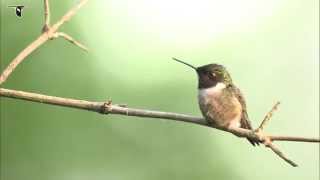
(48, 33)
(51, 32)
(267, 141)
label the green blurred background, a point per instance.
(270, 47)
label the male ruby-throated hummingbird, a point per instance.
(220, 101)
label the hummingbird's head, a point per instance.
(209, 75)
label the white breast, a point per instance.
(210, 96)
(210, 92)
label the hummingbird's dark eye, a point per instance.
(211, 75)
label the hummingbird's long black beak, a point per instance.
(184, 63)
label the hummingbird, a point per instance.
(221, 102)
(18, 9)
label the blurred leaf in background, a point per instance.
(271, 49)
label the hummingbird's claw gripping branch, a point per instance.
(259, 134)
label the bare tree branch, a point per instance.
(108, 108)
(48, 33)
(100, 107)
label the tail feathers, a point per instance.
(245, 123)
(253, 142)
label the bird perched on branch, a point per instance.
(220, 101)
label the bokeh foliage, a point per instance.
(274, 56)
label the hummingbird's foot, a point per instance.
(267, 142)
(258, 133)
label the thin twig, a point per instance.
(71, 40)
(294, 139)
(281, 155)
(45, 36)
(268, 116)
(46, 16)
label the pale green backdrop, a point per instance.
(271, 49)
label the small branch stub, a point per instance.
(106, 107)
